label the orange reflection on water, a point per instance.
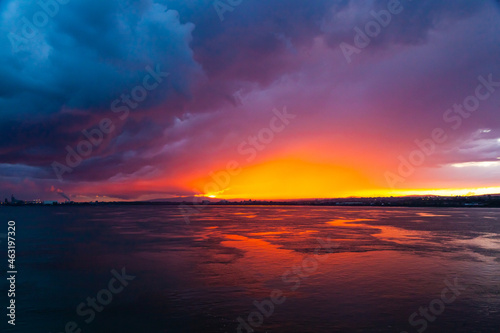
(268, 233)
(262, 261)
(431, 215)
(385, 233)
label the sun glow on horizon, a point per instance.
(448, 192)
(292, 178)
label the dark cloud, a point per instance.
(91, 52)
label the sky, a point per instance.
(239, 99)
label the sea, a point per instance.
(159, 269)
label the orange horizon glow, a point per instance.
(465, 192)
(294, 179)
(286, 178)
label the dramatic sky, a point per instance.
(248, 98)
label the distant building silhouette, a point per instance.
(14, 201)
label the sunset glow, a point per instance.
(273, 114)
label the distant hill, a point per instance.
(186, 199)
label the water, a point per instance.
(329, 269)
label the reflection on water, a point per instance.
(340, 269)
(487, 241)
(391, 234)
(430, 215)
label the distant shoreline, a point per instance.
(487, 201)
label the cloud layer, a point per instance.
(225, 78)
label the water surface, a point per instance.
(337, 269)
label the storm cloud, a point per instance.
(224, 78)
